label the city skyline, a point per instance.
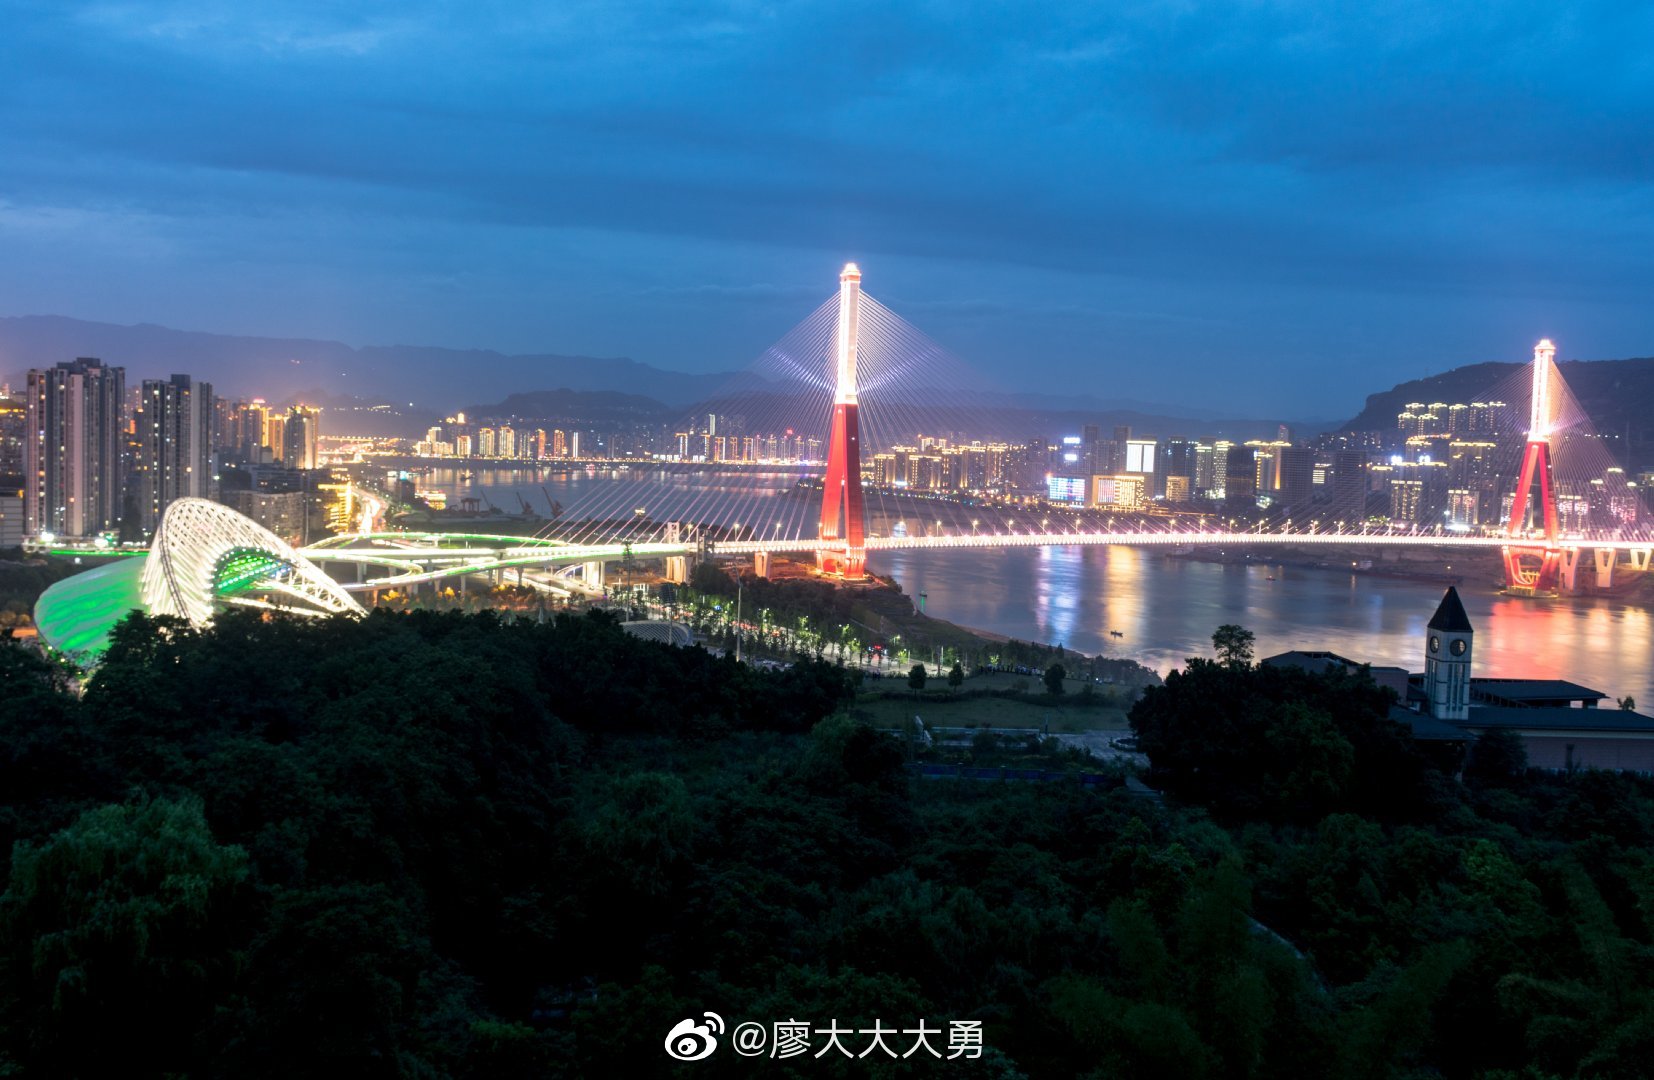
(1092, 196)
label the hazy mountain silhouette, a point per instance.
(282, 368)
(592, 406)
(1618, 396)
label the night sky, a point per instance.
(1266, 208)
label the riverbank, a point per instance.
(895, 610)
(1474, 569)
(1409, 564)
(885, 617)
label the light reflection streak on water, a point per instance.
(1167, 609)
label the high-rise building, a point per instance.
(74, 463)
(1141, 457)
(175, 439)
(283, 513)
(226, 425)
(1347, 488)
(1463, 508)
(1240, 483)
(1220, 468)
(275, 438)
(303, 426)
(252, 420)
(1406, 499)
(1297, 474)
(11, 513)
(1485, 417)
(1178, 458)
(14, 421)
(1267, 462)
(1125, 492)
(1206, 471)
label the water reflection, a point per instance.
(1167, 608)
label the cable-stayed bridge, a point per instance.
(416, 563)
(1538, 555)
(851, 352)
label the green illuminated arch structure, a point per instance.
(204, 556)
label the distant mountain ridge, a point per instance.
(1618, 396)
(424, 382)
(592, 406)
(430, 377)
(280, 368)
(805, 412)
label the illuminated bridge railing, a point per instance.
(435, 563)
(1178, 539)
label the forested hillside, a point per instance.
(447, 845)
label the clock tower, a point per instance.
(1447, 652)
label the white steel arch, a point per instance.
(196, 536)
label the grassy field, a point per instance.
(990, 712)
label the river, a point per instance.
(1165, 609)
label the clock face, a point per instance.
(1458, 647)
(1435, 644)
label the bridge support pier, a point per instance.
(761, 564)
(1605, 566)
(677, 569)
(1640, 558)
(1568, 567)
(592, 573)
(1530, 579)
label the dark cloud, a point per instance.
(1301, 189)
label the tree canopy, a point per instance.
(455, 845)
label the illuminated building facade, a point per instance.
(275, 438)
(1126, 491)
(14, 420)
(175, 440)
(74, 451)
(299, 446)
